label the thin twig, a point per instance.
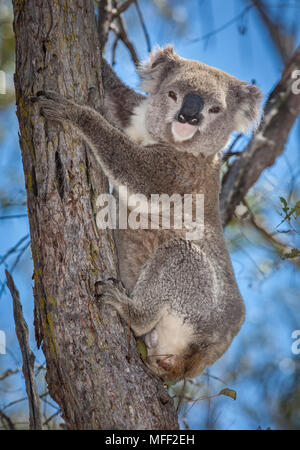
(223, 27)
(113, 50)
(14, 402)
(13, 249)
(282, 38)
(280, 246)
(21, 252)
(35, 418)
(8, 373)
(51, 417)
(147, 36)
(230, 151)
(15, 216)
(19, 400)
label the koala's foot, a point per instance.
(54, 106)
(151, 339)
(113, 292)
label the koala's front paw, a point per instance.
(54, 106)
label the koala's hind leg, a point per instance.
(142, 319)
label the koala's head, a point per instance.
(174, 352)
(173, 358)
(195, 106)
(188, 364)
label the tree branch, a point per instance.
(8, 373)
(121, 32)
(121, 8)
(280, 113)
(107, 12)
(35, 418)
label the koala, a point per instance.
(180, 296)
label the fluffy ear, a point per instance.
(247, 98)
(156, 67)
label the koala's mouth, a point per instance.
(183, 131)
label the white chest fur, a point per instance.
(137, 129)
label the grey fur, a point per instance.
(183, 298)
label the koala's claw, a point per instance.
(111, 280)
(40, 93)
(35, 98)
(52, 95)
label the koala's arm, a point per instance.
(120, 100)
(122, 160)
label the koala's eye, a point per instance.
(172, 95)
(215, 110)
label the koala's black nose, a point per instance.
(190, 109)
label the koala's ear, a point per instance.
(248, 109)
(156, 67)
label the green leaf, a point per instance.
(283, 201)
(297, 208)
(170, 383)
(285, 207)
(294, 253)
(142, 349)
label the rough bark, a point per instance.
(89, 373)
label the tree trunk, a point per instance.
(93, 372)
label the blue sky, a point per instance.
(269, 299)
